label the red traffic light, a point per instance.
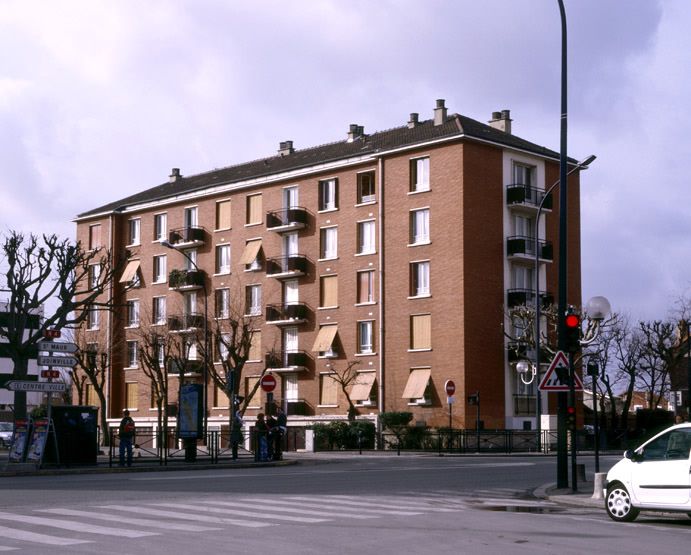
(571, 410)
(572, 321)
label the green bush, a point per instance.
(343, 435)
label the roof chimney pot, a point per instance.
(413, 122)
(440, 112)
(174, 175)
(285, 148)
(501, 121)
(355, 132)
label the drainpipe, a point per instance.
(109, 330)
(380, 250)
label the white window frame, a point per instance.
(93, 318)
(132, 354)
(365, 337)
(366, 199)
(159, 310)
(328, 243)
(254, 296)
(367, 242)
(224, 310)
(160, 263)
(160, 226)
(419, 226)
(223, 259)
(135, 231)
(420, 273)
(328, 195)
(420, 181)
(133, 313)
(94, 275)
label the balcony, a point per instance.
(524, 405)
(186, 322)
(297, 407)
(282, 314)
(519, 350)
(526, 297)
(523, 247)
(187, 237)
(185, 367)
(186, 280)
(287, 266)
(285, 361)
(525, 196)
(287, 219)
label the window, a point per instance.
(290, 244)
(420, 332)
(160, 264)
(365, 237)
(672, 446)
(328, 296)
(255, 352)
(132, 354)
(94, 275)
(130, 276)
(222, 303)
(419, 226)
(290, 383)
(291, 291)
(419, 279)
(363, 392)
(328, 194)
(328, 390)
(251, 255)
(365, 287)
(221, 399)
(365, 337)
(328, 242)
(132, 395)
(250, 385)
(417, 387)
(222, 259)
(221, 350)
(90, 396)
(94, 236)
(189, 217)
(365, 188)
(133, 313)
(324, 343)
(522, 277)
(91, 353)
(524, 226)
(134, 231)
(223, 214)
(523, 175)
(160, 227)
(290, 197)
(93, 318)
(253, 300)
(159, 310)
(419, 175)
(254, 210)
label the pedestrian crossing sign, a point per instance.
(557, 376)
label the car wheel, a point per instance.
(618, 504)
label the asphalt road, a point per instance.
(379, 504)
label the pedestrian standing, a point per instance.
(282, 429)
(236, 433)
(273, 430)
(262, 433)
(126, 433)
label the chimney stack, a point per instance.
(355, 132)
(174, 175)
(413, 122)
(502, 121)
(440, 112)
(285, 148)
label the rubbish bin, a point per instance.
(76, 430)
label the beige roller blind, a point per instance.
(329, 291)
(421, 331)
(132, 394)
(223, 214)
(130, 271)
(251, 251)
(254, 209)
(329, 390)
(255, 400)
(363, 386)
(95, 236)
(325, 338)
(256, 346)
(417, 383)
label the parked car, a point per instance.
(6, 433)
(655, 477)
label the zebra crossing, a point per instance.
(62, 527)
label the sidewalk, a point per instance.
(566, 496)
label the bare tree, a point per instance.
(346, 377)
(39, 269)
(660, 353)
(627, 350)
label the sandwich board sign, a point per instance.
(557, 376)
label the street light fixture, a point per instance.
(205, 373)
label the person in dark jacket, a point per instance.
(262, 433)
(126, 433)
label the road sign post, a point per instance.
(37, 387)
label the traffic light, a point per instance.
(572, 332)
(571, 418)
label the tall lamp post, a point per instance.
(205, 372)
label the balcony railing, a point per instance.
(287, 266)
(294, 313)
(522, 246)
(524, 405)
(298, 407)
(184, 237)
(186, 279)
(185, 322)
(526, 297)
(176, 366)
(518, 194)
(287, 218)
(288, 360)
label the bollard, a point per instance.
(580, 472)
(599, 485)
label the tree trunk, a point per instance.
(105, 436)
(21, 370)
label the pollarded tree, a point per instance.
(39, 269)
(660, 353)
(346, 377)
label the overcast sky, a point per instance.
(100, 99)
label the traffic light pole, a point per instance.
(572, 427)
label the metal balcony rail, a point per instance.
(518, 193)
(287, 312)
(296, 216)
(295, 263)
(524, 245)
(185, 235)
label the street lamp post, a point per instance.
(205, 372)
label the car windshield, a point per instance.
(5, 427)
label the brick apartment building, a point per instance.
(401, 249)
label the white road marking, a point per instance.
(185, 516)
(35, 537)
(390, 503)
(75, 526)
(269, 505)
(240, 512)
(311, 502)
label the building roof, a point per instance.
(455, 126)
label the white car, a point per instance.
(654, 477)
(6, 433)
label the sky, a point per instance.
(100, 99)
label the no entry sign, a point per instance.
(268, 383)
(450, 388)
